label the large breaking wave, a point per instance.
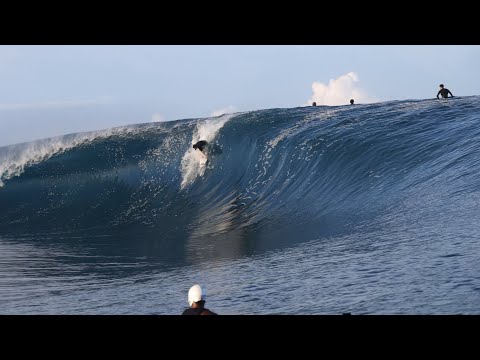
(274, 177)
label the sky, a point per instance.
(52, 90)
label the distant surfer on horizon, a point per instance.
(351, 101)
(444, 92)
(200, 145)
(314, 104)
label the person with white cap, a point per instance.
(196, 300)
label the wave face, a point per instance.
(274, 179)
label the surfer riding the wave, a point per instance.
(200, 145)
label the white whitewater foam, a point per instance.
(205, 130)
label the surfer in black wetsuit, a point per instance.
(200, 145)
(444, 92)
(196, 300)
(351, 101)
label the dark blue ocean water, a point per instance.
(367, 209)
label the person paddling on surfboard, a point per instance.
(200, 145)
(444, 92)
(196, 300)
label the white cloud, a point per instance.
(56, 104)
(226, 110)
(158, 117)
(339, 91)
